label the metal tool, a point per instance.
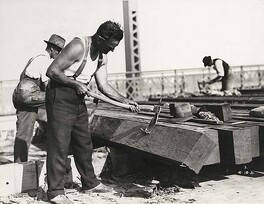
(147, 108)
(154, 120)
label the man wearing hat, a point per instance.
(29, 95)
(223, 71)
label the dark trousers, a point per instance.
(67, 123)
(227, 83)
(24, 132)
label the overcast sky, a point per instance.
(173, 33)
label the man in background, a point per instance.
(223, 71)
(29, 95)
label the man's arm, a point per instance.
(105, 88)
(216, 79)
(219, 71)
(72, 53)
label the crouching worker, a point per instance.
(70, 73)
(223, 71)
(29, 95)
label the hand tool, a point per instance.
(146, 108)
(154, 120)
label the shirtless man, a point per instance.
(81, 59)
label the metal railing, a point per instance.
(141, 85)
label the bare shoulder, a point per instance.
(74, 49)
(104, 59)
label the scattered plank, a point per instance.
(19, 177)
(254, 133)
(234, 142)
(222, 111)
(215, 99)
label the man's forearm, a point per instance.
(216, 79)
(110, 92)
(60, 77)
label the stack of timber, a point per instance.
(193, 143)
(240, 108)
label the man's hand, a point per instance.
(134, 106)
(81, 88)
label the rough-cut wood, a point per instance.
(215, 99)
(257, 112)
(234, 142)
(254, 133)
(221, 111)
(261, 134)
(26, 176)
(18, 177)
(199, 104)
(246, 118)
(235, 146)
(205, 121)
(184, 144)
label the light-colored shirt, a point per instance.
(219, 68)
(39, 66)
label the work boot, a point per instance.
(101, 188)
(61, 199)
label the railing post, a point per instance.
(175, 82)
(117, 87)
(259, 76)
(241, 77)
(183, 83)
(162, 83)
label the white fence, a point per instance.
(140, 85)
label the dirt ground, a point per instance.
(158, 182)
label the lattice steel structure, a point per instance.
(133, 67)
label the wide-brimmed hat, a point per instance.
(56, 40)
(207, 60)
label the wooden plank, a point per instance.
(254, 133)
(231, 147)
(215, 99)
(18, 177)
(199, 104)
(234, 142)
(204, 121)
(27, 176)
(246, 118)
(184, 144)
(222, 111)
(261, 133)
(235, 146)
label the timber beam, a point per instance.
(189, 145)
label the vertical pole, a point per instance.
(183, 83)
(133, 67)
(175, 82)
(241, 77)
(259, 77)
(162, 84)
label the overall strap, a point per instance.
(100, 60)
(23, 74)
(81, 67)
